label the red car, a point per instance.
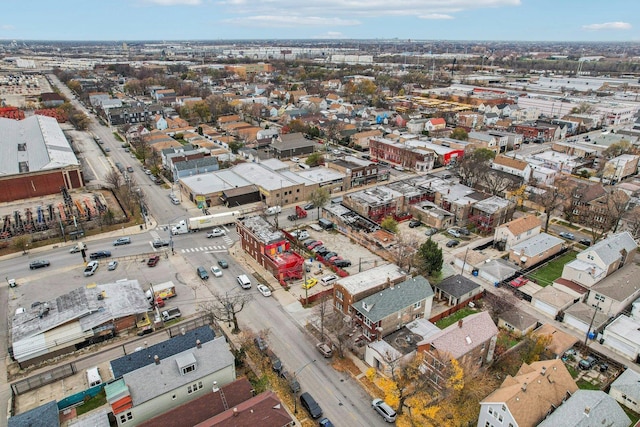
(153, 261)
(314, 244)
(520, 281)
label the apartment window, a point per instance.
(417, 305)
(188, 368)
(127, 416)
(194, 387)
(500, 417)
(490, 410)
(599, 297)
(504, 408)
(338, 305)
(339, 295)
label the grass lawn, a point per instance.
(566, 224)
(586, 385)
(450, 320)
(506, 340)
(93, 403)
(546, 274)
(573, 371)
(632, 415)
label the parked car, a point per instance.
(454, 232)
(261, 344)
(158, 243)
(100, 254)
(567, 235)
(325, 422)
(324, 349)
(315, 244)
(295, 159)
(309, 206)
(129, 169)
(342, 263)
(91, 268)
(276, 363)
(323, 251)
(216, 271)
(202, 273)
(328, 280)
(586, 242)
(587, 363)
(310, 283)
(122, 241)
(385, 411)
(294, 385)
(309, 403)
(76, 248)
(300, 235)
(264, 290)
(216, 232)
(112, 265)
(174, 199)
(414, 223)
(464, 231)
(223, 264)
(452, 243)
(38, 264)
(308, 242)
(430, 231)
(329, 255)
(153, 261)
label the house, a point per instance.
(46, 415)
(484, 140)
(361, 139)
(194, 167)
(470, 340)
(457, 290)
(560, 341)
(489, 213)
(351, 289)
(292, 144)
(623, 337)
(616, 292)
(381, 313)
(51, 99)
(626, 390)
(551, 301)
(168, 383)
(231, 405)
(512, 166)
(600, 260)
(57, 327)
(588, 408)
(517, 322)
(535, 249)
(410, 155)
(434, 124)
(525, 399)
(357, 171)
(516, 231)
(620, 167)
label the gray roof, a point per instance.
(394, 299)
(151, 381)
(291, 141)
(609, 249)
(163, 350)
(491, 205)
(628, 383)
(371, 278)
(537, 245)
(43, 416)
(45, 146)
(464, 336)
(457, 285)
(518, 319)
(621, 284)
(588, 408)
(204, 164)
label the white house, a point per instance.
(512, 166)
(517, 230)
(626, 390)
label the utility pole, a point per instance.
(593, 318)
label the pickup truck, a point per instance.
(171, 313)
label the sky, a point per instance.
(508, 20)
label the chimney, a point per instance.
(198, 344)
(587, 410)
(544, 371)
(524, 386)
(235, 412)
(156, 359)
(460, 323)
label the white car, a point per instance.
(91, 268)
(112, 265)
(295, 159)
(216, 271)
(216, 232)
(264, 290)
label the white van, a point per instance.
(244, 281)
(93, 377)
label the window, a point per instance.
(194, 387)
(417, 305)
(189, 368)
(599, 297)
(127, 416)
(504, 408)
(490, 410)
(339, 295)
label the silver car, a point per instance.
(385, 411)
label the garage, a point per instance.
(575, 323)
(620, 347)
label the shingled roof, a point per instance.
(464, 336)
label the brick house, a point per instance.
(351, 289)
(408, 156)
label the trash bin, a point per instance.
(475, 272)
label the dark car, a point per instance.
(325, 422)
(145, 331)
(464, 231)
(323, 251)
(452, 243)
(294, 385)
(329, 255)
(261, 344)
(586, 242)
(310, 404)
(153, 261)
(414, 223)
(100, 254)
(342, 263)
(158, 243)
(309, 206)
(587, 363)
(222, 263)
(38, 264)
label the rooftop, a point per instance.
(371, 278)
(587, 408)
(464, 336)
(457, 285)
(43, 416)
(262, 230)
(536, 245)
(522, 224)
(628, 383)
(620, 284)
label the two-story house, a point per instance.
(351, 289)
(516, 231)
(534, 250)
(588, 408)
(523, 400)
(470, 340)
(386, 311)
(512, 166)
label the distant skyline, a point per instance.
(508, 20)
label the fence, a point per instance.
(316, 297)
(79, 397)
(188, 326)
(455, 308)
(44, 378)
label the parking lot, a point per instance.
(441, 237)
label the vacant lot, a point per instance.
(546, 274)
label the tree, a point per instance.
(460, 134)
(617, 149)
(551, 199)
(225, 307)
(617, 206)
(429, 258)
(319, 198)
(390, 224)
(21, 243)
(475, 165)
(534, 347)
(315, 159)
(114, 179)
(496, 183)
(404, 251)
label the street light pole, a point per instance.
(295, 377)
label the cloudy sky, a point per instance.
(544, 20)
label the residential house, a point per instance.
(132, 114)
(357, 172)
(490, 119)
(269, 247)
(194, 167)
(375, 203)
(616, 292)
(457, 290)
(435, 124)
(430, 214)
(470, 340)
(517, 322)
(136, 133)
(626, 389)
(600, 260)
(231, 405)
(471, 119)
(489, 213)
(516, 231)
(168, 383)
(620, 167)
(535, 250)
(361, 139)
(386, 311)
(51, 99)
(484, 140)
(416, 125)
(224, 120)
(588, 408)
(351, 289)
(514, 140)
(512, 166)
(525, 399)
(410, 155)
(292, 144)
(160, 123)
(584, 318)
(46, 415)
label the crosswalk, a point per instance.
(217, 248)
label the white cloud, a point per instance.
(174, 2)
(435, 16)
(281, 21)
(330, 35)
(7, 27)
(607, 26)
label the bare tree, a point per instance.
(496, 183)
(617, 206)
(114, 179)
(225, 307)
(338, 326)
(551, 199)
(404, 251)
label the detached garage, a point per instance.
(623, 337)
(550, 301)
(579, 317)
